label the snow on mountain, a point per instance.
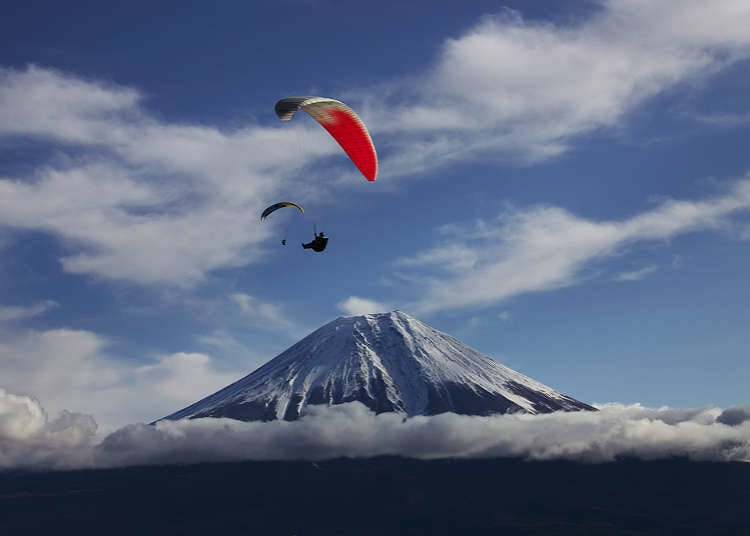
(387, 361)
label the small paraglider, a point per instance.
(277, 206)
(342, 123)
(318, 244)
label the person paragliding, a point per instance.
(318, 244)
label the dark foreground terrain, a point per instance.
(383, 496)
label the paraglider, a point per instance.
(342, 123)
(277, 206)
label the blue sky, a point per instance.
(565, 190)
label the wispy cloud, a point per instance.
(218, 338)
(354, 305)
(351, 430)
(523, 90)
(19, 312)
(261, 314)
(636, 275)
(543, 248)
(723, 119)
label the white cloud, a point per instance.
(20, 416)
(20, 312)
(636, 275)
(28, 438)
(143, 200)
(522, 90)
(543, 248)
(261, 314)
(352, 430)
(355, 306)
(504, 316)
(219, 338)
(72, 370)
(181, 378)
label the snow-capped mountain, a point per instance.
(389, 362)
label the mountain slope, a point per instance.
(389, 362)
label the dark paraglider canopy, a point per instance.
(277, 206)
(342, 123)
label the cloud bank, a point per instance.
(137, 198)
(28, 439)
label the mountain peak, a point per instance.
(376, 316)
(389, 362)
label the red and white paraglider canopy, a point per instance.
(342, 123)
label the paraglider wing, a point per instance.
(342, 123)
(277, 206)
